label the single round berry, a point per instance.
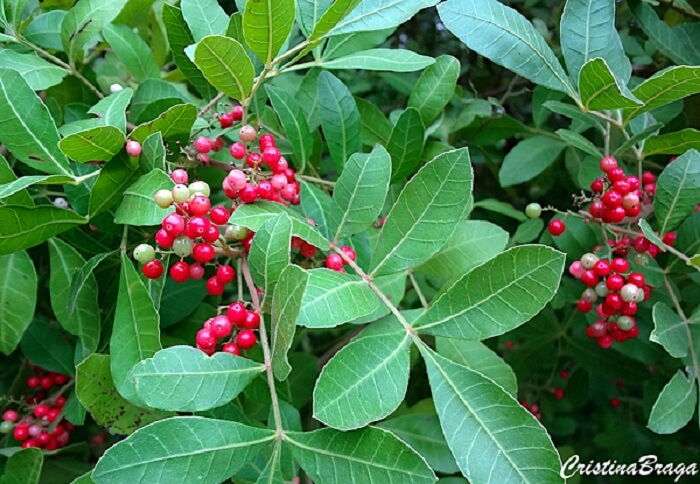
(237, 150)
(247, 133)
(601, 289)
(202, 144)
(601, 268)
(180, 193)
(203, 253)
(251, 321)
(205, 339)
(174, 224)
(334, 262)
(349, 253)
(153, 269)
(589, 278)
(625, 323)
(164, 239)
(180, 271)
(641, 244)
(199, 187)
(280, 167)
(608, 163)
(619, 265)
(53, 414)
(265, 190)
(182, 246)
(266, 140)
(597, 185)
(558, 393)
(614, 300)
(605, 341)
(636, 278)
(144, 253)
(236, 313)
(246, 339)
(533, 210)
(669, 238)
(589, 295)
(231, 348)
(41, 410)
(611, 199)
(307, 250)
(629, 292)
(253, 159)
(215, 287)
(584, 306)
(6, 427)
(199, 225)
(615, 282)
(10, 416)
(633, 182)
(237, 113)
(588, 260)
(614, 215)
(196, 271)
(221, 327)
(630, 201)
(278, 181)
(21, 433)
(622, 187)
(271, 155)
(133, 148)
(648, 177)
(288, 192)
(225, 274)
(236, 232)
(219, 215)
(616, 174)
(597, 209)
(211, 235)
(163, 198)
(46, 382)
(33, 381)
(60, 402)
(556, 227)
(199, 205)
(249, 194)
(226, 120)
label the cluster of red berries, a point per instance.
(42, 424)
(237, 327)
(534, 409)
(335, 262)
(617, 196)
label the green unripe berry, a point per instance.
(640, 295)
(589, 295)
(183, 246)
(199, 187)
(629, 292)
(144, 253)
(6, 427)
(601, 289)
(625, 323)
(180, 193)
(588, 261)
(640, 259)
(163, 198)
(533, 210)
(236, 232)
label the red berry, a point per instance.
(556, 227)
(20, 433)
(220, 327)
(225, 274)
(614, 301)
(669, 238)
(205, 339)
(558, 393)
(196, 271)
(226, 120)
(608, 163)
(33, 381)
(621, 187)
(614, 215)
(648, 177)
(41, 410)
(629, 308)
(597, 209)
(199, 205)
(10, 416)
(266, 140)
(271, 155)
(619, 265)
(46, 382)
(611, 199)
(246, 339)
(211, 235)
(636, 278)
(237, 113)
(203, 253)
(589, 278)
(597, 329)
(202, 144)
(60, 402)
(633, 182)
(616, 174)
(133, 148)
(564, 374)
(199, 225)
(605, 341)
(601, 268)
(249, 194)
(653, 250)
(597, 185)
(153, 269)
(237, 150)
(174, 224)
(253, 159)
(180, 271)
(614, 282)
(334, 262)
(290, 174)
(215, 287)
(349, 252)
(251, 321)
(164, 239)
(265, 190)
(53, 414)
(219, 215)
(307, 250)
(641, 244)
(280, 166)
(231, 348)
(614, 402)
(179, 176)
(584, 306)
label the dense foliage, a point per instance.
(347, 241)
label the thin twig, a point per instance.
(313, 179)
(416, 288)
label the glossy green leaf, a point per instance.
(132, 50)
(18, 292)
(394, 60)
(669, 331)
(9, 189)
(24, 467)
(677, 191)
(600, 89)
(340, 119)
(579, 141)
(507, 38)
(174, 125)
(332, 298)
(665, 87)
(477, 415)
(181, 450)
(270, 252)
(204, 17)
(96, 391)
(309, 12)
(435, 88)
(294, 123)
(135, 335)
(38, 73)
(286, 306)
(12, 189)
(138, 207)
(496, 296)
(44, 345)
(375, 127)
(111, 111)
(111, 183)
(95, 144)
(316, 205)
(588, 31)
(472, 242)
(225, 64)
(425, 214)
(675, 143)
(184, 379)
(528, 159)
(379, 14)
(330, 18)
(28, 130)
(45, 30)
(673, 42)
(266, 26)
(675, 405)
(360, 192)
(78, 313)
(365, 455)
(406, 144)
(480, 358)
(253, 216)
(84, 21)
(153, 154)
(25, 227)
(364, 382)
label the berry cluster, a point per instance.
(42, 424)
(617, 196)
(534, 409)
(335, 262)
(237, 327)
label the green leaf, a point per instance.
(111, 111)
(601, 89)
(585, 120)
(309, 12)
(225, 64)
(347, 44)
(330, 18)
(153, 154)
(359, 193)
(45, 30)
(588, 31)
(375, 127)
(254, 215)
(651, 235)
(435, 88)
(507, 38)
(24, 467)
(95, 144)
(25, 227)
(425, 213)
(673, 143)
(9, 181)
(669, 331)
(184, 379)
(294, 123)
(138, 207)
(480, 358)
(84, 21)
(422, 433)
(96, 391)
(675, 406)
(179, 299)
(28, 130)
(364, 382)
(38, 73)
(477, 415)
(19, 184)
(473, 242)
(365, 455)
(182, 449)
(111, 183)
(332, 298)
(18, 291)
(665, 87)
(286, 306)
(503, 208)
(379, 14)
(340, 119)
(174, 124)
(578, 141)
(394, 60)
(673, 42)
(406, 144)
(135, 335)
(132, 50)
(677, 191)
(204, 17)
(497, 296)
(316, 205)
(179, 37)
(270, 252)
(266, 26)
(528, 159)
(44, 345)
(82, 317)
